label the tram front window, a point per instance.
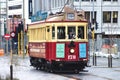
(61, 32)
(71, 32)
(80, 32)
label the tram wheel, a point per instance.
(37, 68)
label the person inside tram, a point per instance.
(71, 32)
(71, 35)
(80, 34)
(61, 33)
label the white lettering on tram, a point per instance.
(34, 50)
(71, 56)
(37, 50)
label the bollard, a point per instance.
(11, 72)
(95, 60)
(110, 61)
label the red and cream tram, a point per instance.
(59, 43)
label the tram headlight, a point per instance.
(72, 50)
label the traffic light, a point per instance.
(96, 25)
(93, 34)
(15, 38)
(89, 25)
(92, 27)
(20, 27)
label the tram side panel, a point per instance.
(37, 50)
(37, 53)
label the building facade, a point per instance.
(2, 16)
(18, 9)
(105, 12)
(107, 15)
(2, 20)
(12, 12)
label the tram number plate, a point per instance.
(71, 56)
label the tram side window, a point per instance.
(60, 32)
(71, 32)
(53, 32)
(80, 32)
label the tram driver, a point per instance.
(71, 33)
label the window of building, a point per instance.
(56, 3)
(106, 17)
(92, 0)
(115, 0)
(30, 8)
(2, 4)
(15, 7)
(109, 17)
(106, 0)
(93, 15)
(110, 0)
(115, 16)
(52, 1)
(76, 0)
(59, 3)
(15, 16)
(88, 0)
(88, 14)
(85, 0)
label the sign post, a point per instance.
(7, 37)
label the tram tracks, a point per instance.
(70, 77)
(84, 76)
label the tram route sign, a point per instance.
(7, 36)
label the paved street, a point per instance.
(23, 71)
